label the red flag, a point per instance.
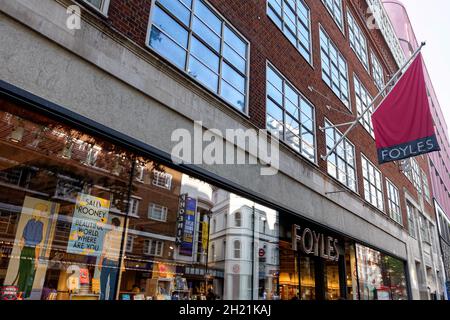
(403, 123)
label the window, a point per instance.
(416, 175)
(213, 253)
(100, 5)
(129, 245)
(194, 38)
(224, 253)
(293, 18)
(335, 9)
(424, 229)
(373, 188)
(363, 100)
(394, 202)
(377, 72)
(290, 116)
(162, 179)
(411, 220)
(133, 208)
(140, 172)
(157, 212)
(238, 219)
(426, 186)
(358, 41)
(225, 220)
(334, 68)
(341, 163)
(237, 249)
(153, 247)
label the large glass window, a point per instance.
(334, 68)
(394, 202)
(373, 186)
(341, 163)
(293, 18)
(363, 100)
(191, 35)
(334, 7)
(358, 40)
(381, 277)
(290, 116)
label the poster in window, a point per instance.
(89, 222)
(32, 245)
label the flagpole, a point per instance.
(355, 123)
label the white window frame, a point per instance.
(363, 100)
(301, 117)
(150, 244)
(158, 176)
(133, 206)
(332, 12)
(282, 28)
(345, 158)
(104, 7)
(370, 175)
(221, 58)
(394, 206)
(424, 229)
(358, 36)
(328, 72)
(153, 207)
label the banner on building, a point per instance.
(403, 123)
(187, 239)
(89, 222)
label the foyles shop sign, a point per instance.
(314, 243)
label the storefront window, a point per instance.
(381, 277)
(83, 219)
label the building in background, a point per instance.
(133, 73)
(439, 161)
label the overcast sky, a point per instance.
(431, 23)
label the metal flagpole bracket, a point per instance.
(363, 113)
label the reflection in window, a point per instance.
(334, 7)
(334, 68)
(191, 35)
(358, 40)
(293, 18)
(158, 234)
(341, 163)
(290, 116)
(373, 186)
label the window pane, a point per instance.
(167, 48)
(177, 9)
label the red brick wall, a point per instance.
(267, 43)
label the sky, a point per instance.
(431, 23)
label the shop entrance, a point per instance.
(305, 277)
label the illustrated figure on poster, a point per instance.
(30, 246)
(109, 260)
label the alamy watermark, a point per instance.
(73, 21)
(232, 147)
